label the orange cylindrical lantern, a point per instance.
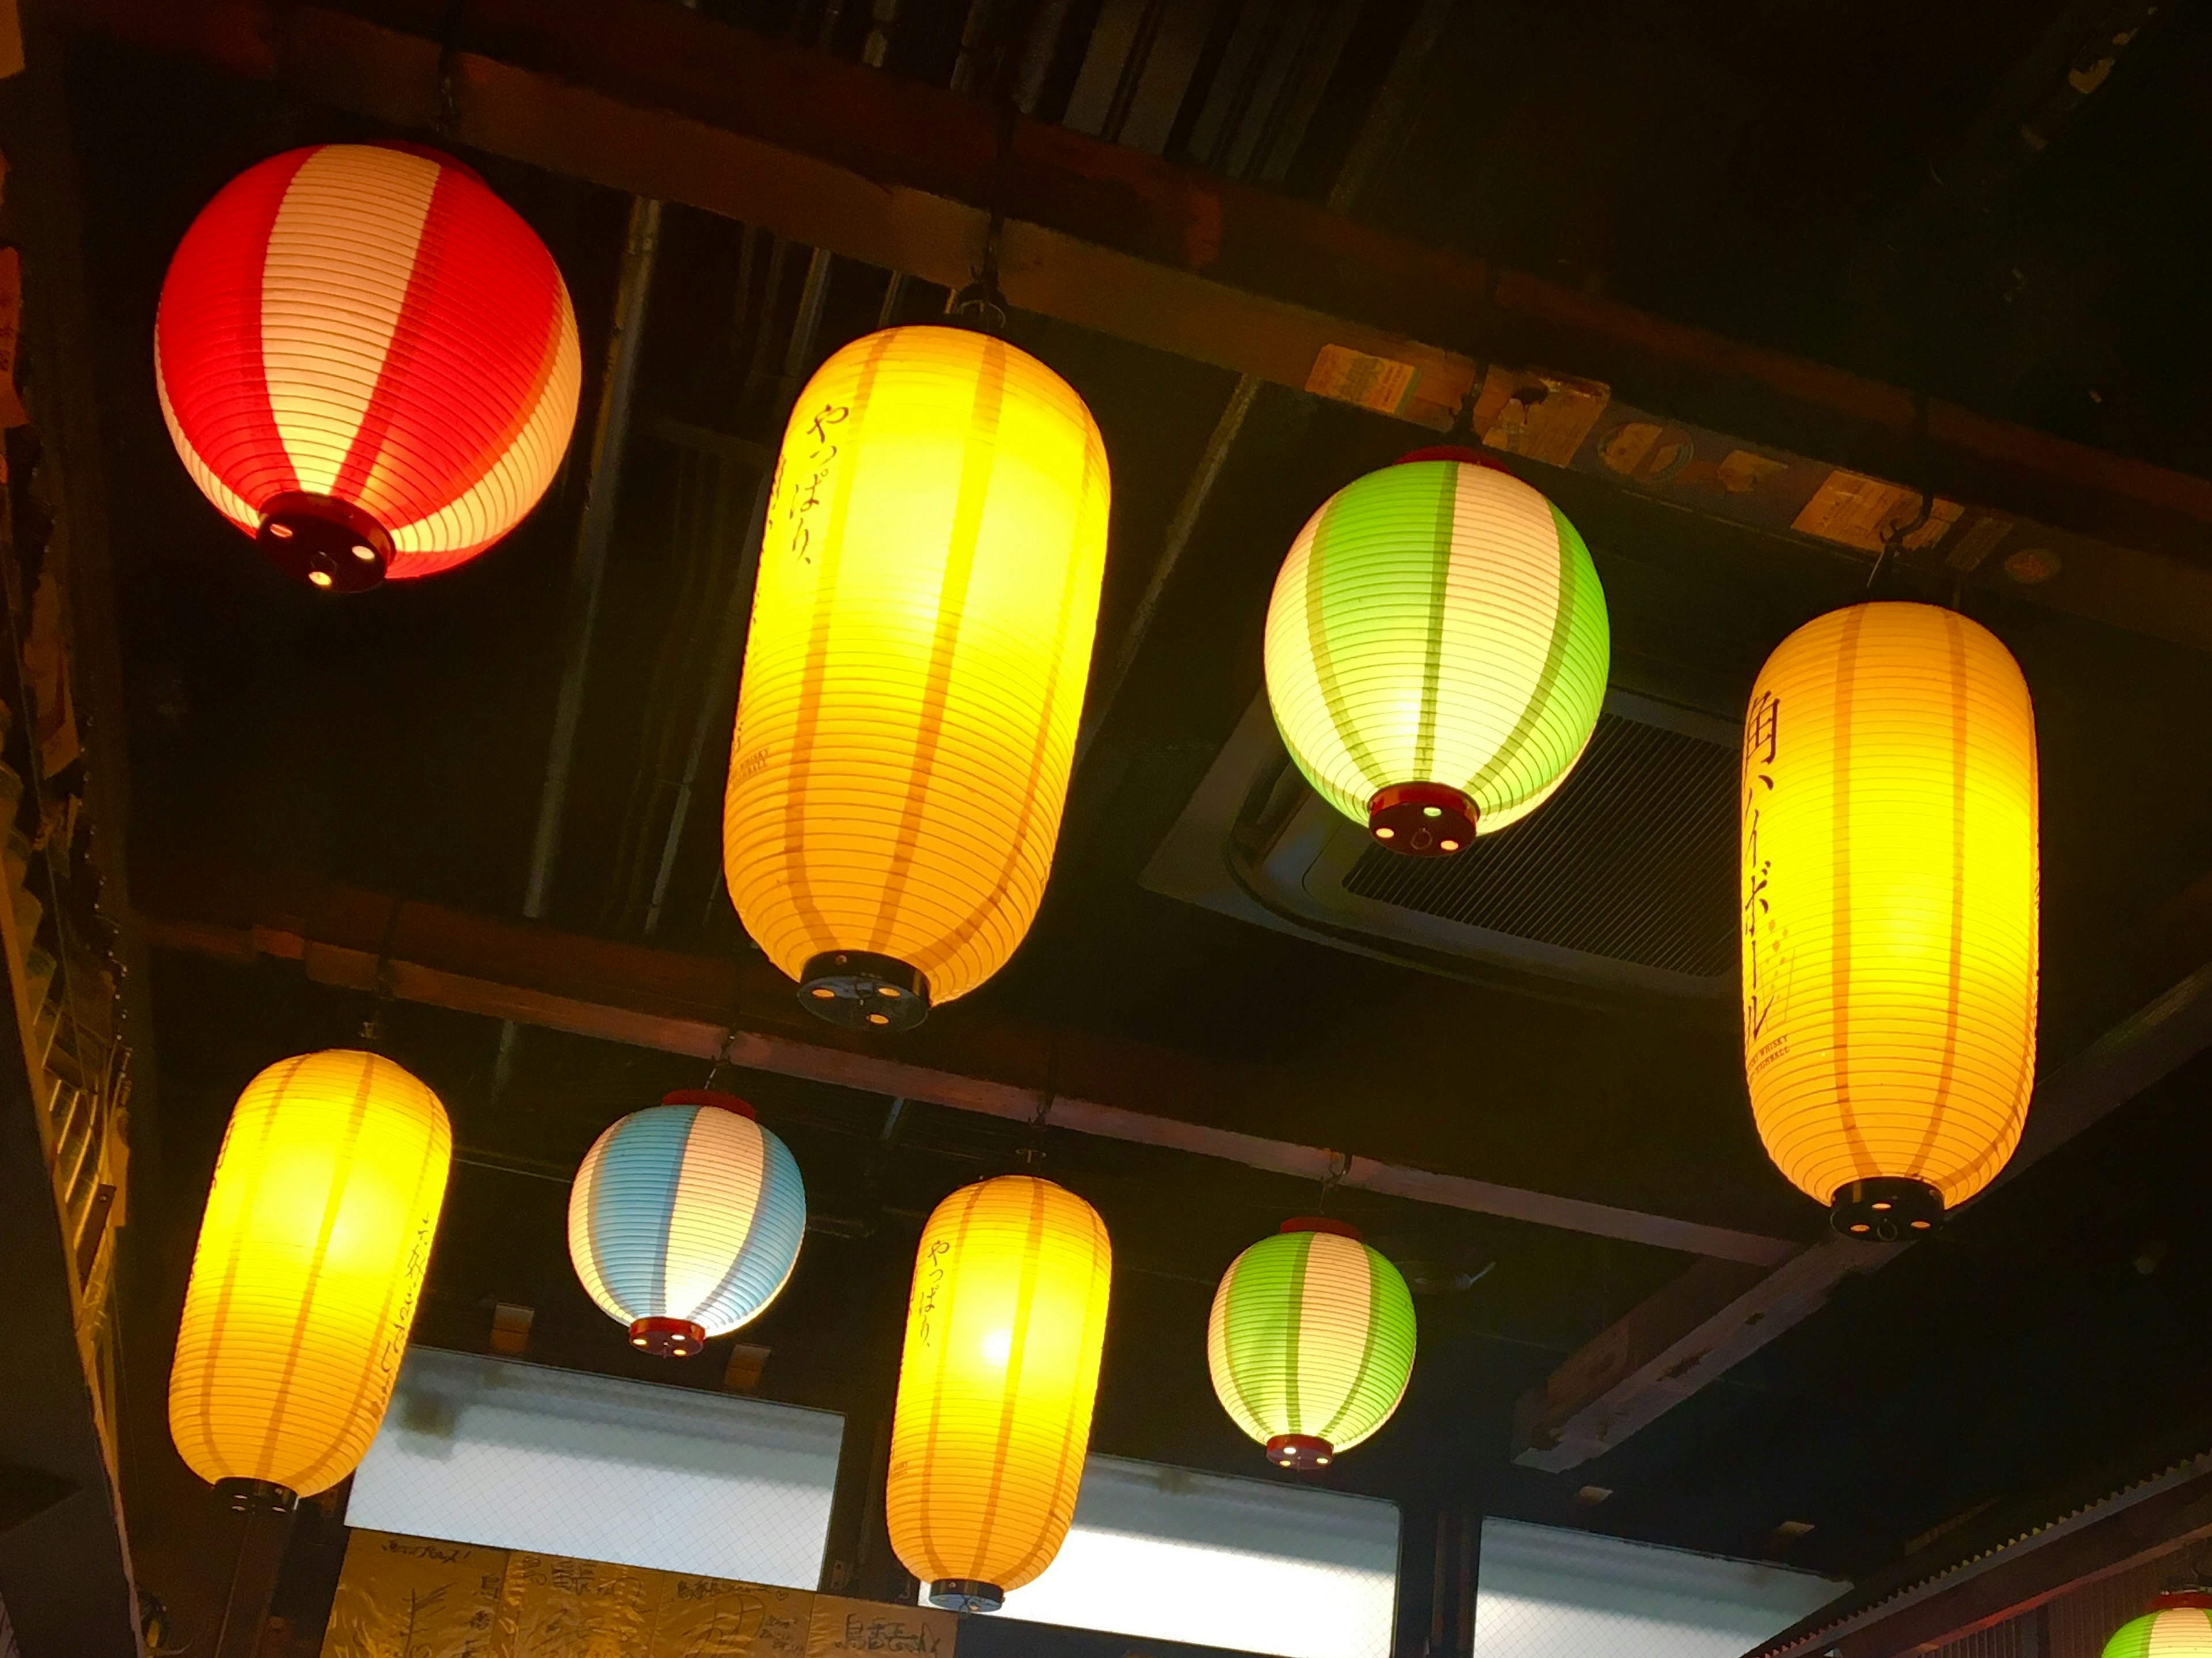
(367, 362)
(1889, 915)
(997, 1380)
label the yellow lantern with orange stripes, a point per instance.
(311, 1258)
(920, 636)
(1889, 912)
(1003, 1331)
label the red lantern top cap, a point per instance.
(710, 1096)
(1343, 1228)
(2200, 1600)
(1458, 451)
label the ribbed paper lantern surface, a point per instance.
(312, 1252)
(1889, 911)
(996, 1382)
(1436, 649)
(367, 362)
(2176, 1626)
(686, 1220)
(1311, 1342)
(920, 635)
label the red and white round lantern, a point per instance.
(367, 362)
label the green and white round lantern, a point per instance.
(1311, 1342)
(1436, 650)
(2177, 1626)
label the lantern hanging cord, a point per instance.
(1032, 1152)
(1895, 536)
(1339, 1165)
(981, 304)
(447, 120)
(372, 1027)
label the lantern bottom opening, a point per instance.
(331, 544)
(1422, 820)
(966, 1594)
(863, 990)
(668, 1338)
(1885, 1208)
(1300, 1451)
(256, 1495)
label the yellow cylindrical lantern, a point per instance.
(920, 636)
(311, 1257)
(999, 1371)
(1889, 911)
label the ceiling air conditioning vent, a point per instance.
(1624, 880)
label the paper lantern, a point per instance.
(1310, 1341)
(367, 362)
(686, 1220)
(996, 1383)
(920, 636)
(2176, 1626)
(1436, 650)
(1889, 912)
(312, 1252)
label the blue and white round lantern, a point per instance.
(686, 1220)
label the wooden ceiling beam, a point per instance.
(650, 98)
(1917, 1611)
(1679, 1340)
(700, 1006)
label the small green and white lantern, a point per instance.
(1311, 1342)
(1436, 650)
(2178, 1625)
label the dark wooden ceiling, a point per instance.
(1842, 181)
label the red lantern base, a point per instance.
(709, 1096)
(1422, 820)
(332, 546)
(1884, 1209)
(2181, 1599)
(668, 1338)
(1300, 1451)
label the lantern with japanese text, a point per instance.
(311, 1257)
(920, 635)
(1003, 1331)
(1889, 912)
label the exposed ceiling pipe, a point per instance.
(1385, 117)
(587, 574)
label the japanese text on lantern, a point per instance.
(1763, 966)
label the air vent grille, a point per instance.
(1634, 858)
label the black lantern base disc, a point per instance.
(1421, 820)
(1299, 1451)
(248, 1495)
(1886, 1209)
(332, 545)
(965, 1594)
(864, 992)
